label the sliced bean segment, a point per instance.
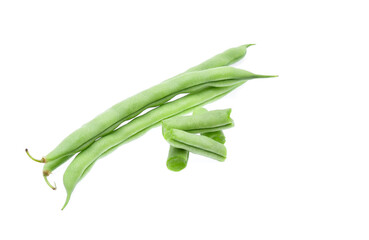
(177, 159)
(197, 144)
(201, 122)
(215, 135)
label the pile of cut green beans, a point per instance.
(124, 122)
(180, 134)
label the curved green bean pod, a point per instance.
(134, 129)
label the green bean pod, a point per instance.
(135, 128)
(197, 144)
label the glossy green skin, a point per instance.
(177, 158)
(135, 128)
(197, 144)
(113, 117)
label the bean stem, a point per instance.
(34, 159)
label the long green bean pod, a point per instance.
(135, 128)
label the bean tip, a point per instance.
(249, 45)
(49, 184)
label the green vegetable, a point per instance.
(106, 122)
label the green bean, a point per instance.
(134, 129)
(177, 158)
(197, 144)
(84, 137)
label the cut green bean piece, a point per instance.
(177, 159)
(201, 122)
(197, 144)
(216, 135)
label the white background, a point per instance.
(297, 165)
